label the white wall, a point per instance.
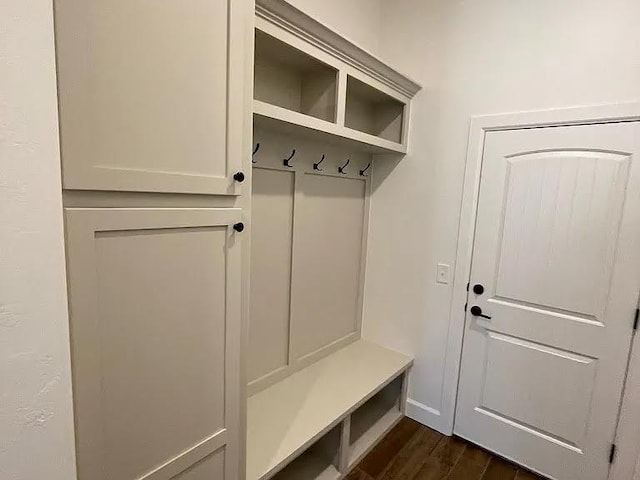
(36, 429)
(473, 57)
(358, 20)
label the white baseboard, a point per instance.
(427, 416)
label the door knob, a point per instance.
(238, 177)
(238, 227)
(478, 289)
(476, 311)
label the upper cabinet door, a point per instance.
(151, 94)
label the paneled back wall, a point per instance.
(308, 253)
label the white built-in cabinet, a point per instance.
(215, 272)
(155, 164)
(320, 395)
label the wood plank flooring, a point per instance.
(414, 452)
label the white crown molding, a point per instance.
(298, 23)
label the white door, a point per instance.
(557, 250)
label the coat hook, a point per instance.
(285, 162)
(316, 166)
(341, 169)
(362, 172)
(255, 150)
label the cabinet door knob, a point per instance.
(239, 227)
(476, 311)
(238, 177)
(478, 289)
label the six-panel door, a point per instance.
(150, 94)
(155, 333)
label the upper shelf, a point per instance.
(290, 19)
(311, 80)
(291, 79)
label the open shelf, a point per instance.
(293, 80)
(374, 419)
(319, 462)
(272, 117)
(373, 112)
(287, 418)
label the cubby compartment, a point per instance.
(371, 421)
(318, 462)
(288, 78)
(371, 111)
(283, 419)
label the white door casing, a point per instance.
(557, 221)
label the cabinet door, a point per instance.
(151, 94)
(155, 336)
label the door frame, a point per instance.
(627, 436)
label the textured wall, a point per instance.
(36, 430)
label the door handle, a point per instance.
(476, 311)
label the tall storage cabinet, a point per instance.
(154, 158)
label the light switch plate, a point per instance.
(443, 273)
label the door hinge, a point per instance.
(636, 320)
(465, 306)
(468, 286)
(612, 453)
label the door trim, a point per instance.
(627, 460)
(479, 126)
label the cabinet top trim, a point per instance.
(293, 20)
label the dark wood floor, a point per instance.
(414, 452)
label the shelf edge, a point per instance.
(322, 127)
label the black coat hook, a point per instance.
(362, 172)
(255, 150)
(285, 162)
(316, 166)
(341, 169)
